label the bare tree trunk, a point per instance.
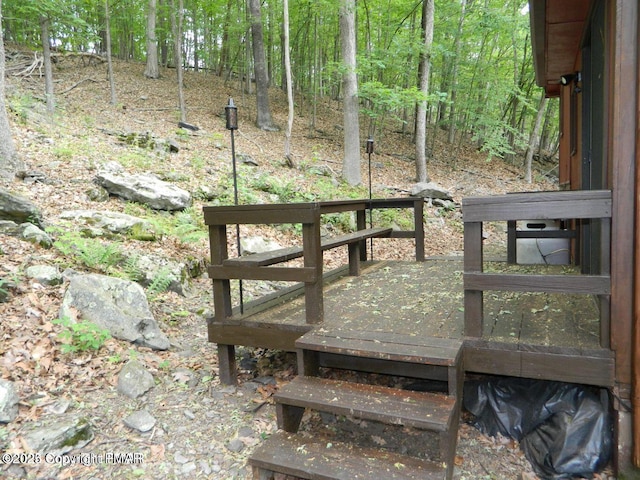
(46, 59)
(351, 108)
(177, 46)
(10, 162)
(152, 70)
(421, 113)
(112, 82)
(454, 80)
(287, 65)
(264, 120)
(535, 137)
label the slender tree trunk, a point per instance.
(224, 44)
(46, 59)
(264, 120)
(112, 81)
(10, 162)
(454, 76)
(151, 70)
(351, 161)
(535, 137)
(287, 67)
(176, 21)
(421, 113)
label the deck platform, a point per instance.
(527, 334)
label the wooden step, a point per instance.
(428, 411)
(383, 352)
(291, 454)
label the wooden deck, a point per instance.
(531, 334)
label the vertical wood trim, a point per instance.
(473, 299)
(511, 242)
(636, 286)
(311, 246)
(221, 288)
(418, 223)
(361, 224)
(622, 151)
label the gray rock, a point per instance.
(144, 188)
(120, 306)
(34, 234)
(8, 401)
(250, 245)
(134, 380)
(236, 445)
(18, 209)
(140, 420)
(60, 436)
(173, 276)
(44, 274)
(430, 190)
(97, 194)
(247, 159)
(105, 222)
(26, 231)
(180, 458)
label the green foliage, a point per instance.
(160, 282)
(90, 252)
(81, 336)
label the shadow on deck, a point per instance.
(531, 334)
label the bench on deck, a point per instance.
(281, 255)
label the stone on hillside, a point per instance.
(163, 273)
(8, 401)
(140, 420)
(120, 306)
(144, 188)
(430, 190)
(26, 231)
(33, 234)
(60, 436)
(18, 209)
(134, 380)
(106, 222)
(97, 194)
(251, 245)
(44, 274)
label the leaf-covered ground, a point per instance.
(203, 429)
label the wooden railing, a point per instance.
(577, 204)
(260, 266)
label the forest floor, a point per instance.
(203, 429)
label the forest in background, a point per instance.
(480, 82)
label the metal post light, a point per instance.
(369, 150)
(231, 115)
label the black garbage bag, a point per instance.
(565, 430)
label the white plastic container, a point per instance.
(536, 251)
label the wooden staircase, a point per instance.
(290, 452)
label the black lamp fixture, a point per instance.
(570, 77)
(231, 114)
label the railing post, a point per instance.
(418, 222)
(222, 303)
(312, 252)
(473, 299)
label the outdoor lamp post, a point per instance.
(231, 116)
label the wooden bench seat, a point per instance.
(304, 457)
(281, 255)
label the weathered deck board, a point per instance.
(426, 299)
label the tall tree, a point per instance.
(46, 59)
(287, 67)
(176, 26)
(264, 119)
(534, 138)
(421, 112)
(351, 161)
(152, 70)
(112, 81)
(10, 162)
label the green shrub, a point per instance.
(81, 336)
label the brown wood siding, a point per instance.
(622, 20)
